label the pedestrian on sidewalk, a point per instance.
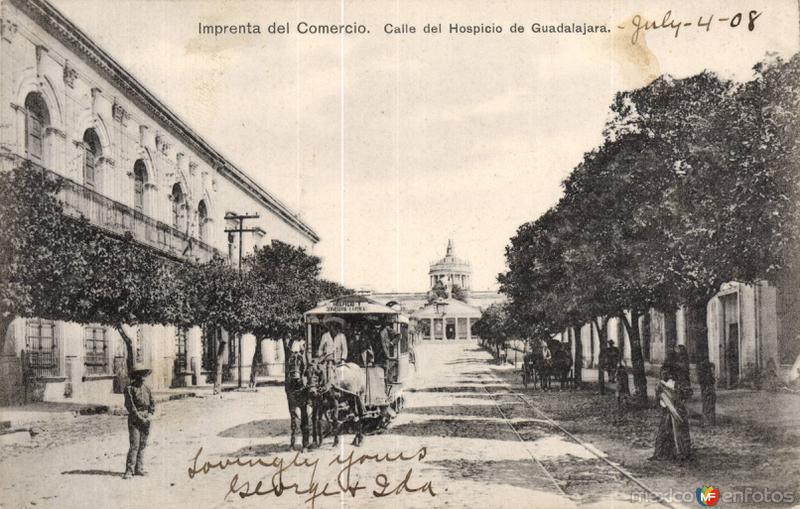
(140, 405)
(672, 440)
(612, 360)
(708, 381)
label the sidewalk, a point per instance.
(22, 416)
(764, 408)
(779, 409)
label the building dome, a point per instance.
(450, 270)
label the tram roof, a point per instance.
(353, 305)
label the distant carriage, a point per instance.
(545, 361)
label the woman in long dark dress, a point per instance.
(672, 438)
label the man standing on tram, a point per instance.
(332, 349)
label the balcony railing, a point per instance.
(118, 218)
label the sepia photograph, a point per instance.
(399, 253)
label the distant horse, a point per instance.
(561, 365)
(541, 365)
(297, 396)
(344, 392)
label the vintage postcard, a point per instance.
(399, 253)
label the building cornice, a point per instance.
(55, 23)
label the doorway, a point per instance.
(732, 354)
(730, 348)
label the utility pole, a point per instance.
(240, 230)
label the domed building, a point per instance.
(450, 306)
(450, 271)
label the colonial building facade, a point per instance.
(749, 329)
(129, 165)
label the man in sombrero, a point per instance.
(141, 406)
(332, 349)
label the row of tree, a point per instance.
(59, 267)
(695, 184)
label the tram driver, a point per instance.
(332, 349)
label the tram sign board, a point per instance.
(345, 308)
(353, 304)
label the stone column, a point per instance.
(469, 329)
(194, 352)
(268, 353)
(248, 349)
(433, 330)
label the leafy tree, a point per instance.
(439, 291)
(459, 293)
(41, 262)
(696, 184)
(216, 298)
(493, 327)
(282, 283)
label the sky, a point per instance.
(389, 145)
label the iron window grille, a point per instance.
(95, 346)
(41, 349)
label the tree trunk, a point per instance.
(578, 355)
(254, 361)
(705, 371)
(601, 325)
(130, 356)
(637, 359)
(223, 340)
(5, 323)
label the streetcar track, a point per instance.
(627, 476)
(519, 437)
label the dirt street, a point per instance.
(463, 440)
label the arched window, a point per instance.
(36, 119)
(177, 204)
(91, 153)
(139, 180)
(202, 218)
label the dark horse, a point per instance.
(541, 361)
(561, 363)
(298, 397)
(331, 397)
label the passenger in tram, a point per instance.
(389, 340)
(364, 353)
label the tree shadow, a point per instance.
(258, 429)
(487, 411)
(465, 361)
(518, 473)
(92, 472)
(482, 389)
(261, 450)
(484, 429)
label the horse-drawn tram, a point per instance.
(361, 354)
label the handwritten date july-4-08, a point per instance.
(738, 20)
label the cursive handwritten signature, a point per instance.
(306, 469)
